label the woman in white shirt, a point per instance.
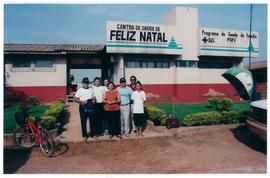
(138, 98)
(84, 96)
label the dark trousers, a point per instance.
(114, 122)
(98, 119)
(84, 117)
(105, 125)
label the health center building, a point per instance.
(176, 61)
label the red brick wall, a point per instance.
(190, 93)
(47, 94)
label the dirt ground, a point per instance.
(212, 150)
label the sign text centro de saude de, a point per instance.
(125, 37)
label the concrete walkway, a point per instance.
(72, 131)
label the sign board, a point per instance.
(221, 42)
(125, 37)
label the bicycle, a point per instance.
(28, 135)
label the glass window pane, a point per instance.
(44, 63)
(144, 64)
(151, 64)
(159, 64)
(192, 64)
(137, 64)
(133, 64)
(166, 64)
(183, 63)
(21, 63)
(130, 64)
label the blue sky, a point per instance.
(86, 24)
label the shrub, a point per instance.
(226, 104)
(230, 117)
(243, 115)
(215, 118)
(51, 115)
(204, 118)
(48, 121)
(219, 104)
(158, 116)
(27, 102)
(213, 101)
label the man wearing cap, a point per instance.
(84, 96)
(125, 96)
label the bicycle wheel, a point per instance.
(24, 137)
(47, 143)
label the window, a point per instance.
(151, 64)
(183, 63)
(43, 63)
(28, 65)
(133, 64)
(144, 64)
(21, 63)
(147, 64)
(215, 65)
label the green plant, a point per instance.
(48, 121)
(226, 104)
(51, 115)
(155, 114)
(219, 104)
(27, 102)
(213, 101)
(243, 115)
(215, 118)
(230, 117)
(204, 118)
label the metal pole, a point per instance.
(250, 28)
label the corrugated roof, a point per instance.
(76, 48)
(80, 48)
(257, 65)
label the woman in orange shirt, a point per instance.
(112, 108)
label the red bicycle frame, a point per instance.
(36, 131)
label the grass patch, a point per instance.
(9, 118)
(184, 109)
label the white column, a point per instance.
(119, 69)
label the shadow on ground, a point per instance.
(14, 159)
(246, 137)
(64, 119)
(60, 149)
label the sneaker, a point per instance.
(84, 139)
(96, 137)
(110, 137)
(127, 135)
(141, 134)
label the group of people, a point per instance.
(116, 111)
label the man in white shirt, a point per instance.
(98, 107)
(84, 96)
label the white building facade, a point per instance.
(175, 61)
